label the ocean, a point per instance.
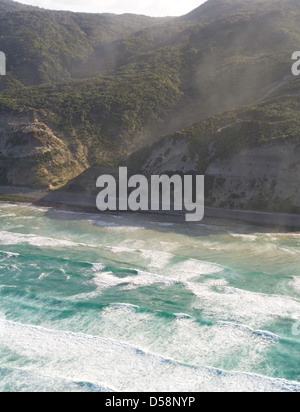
(146, 303)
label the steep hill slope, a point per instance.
(102, 86)
(57, 131)
(45, 46)
(250, 156)
(227, 53)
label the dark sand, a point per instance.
(84, 203)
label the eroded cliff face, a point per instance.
(172, 156)
(32, 155)
(265, 177)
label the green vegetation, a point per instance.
(273, 120)
(99, 120)
(85, 90)
(14, 198)
(45, 46)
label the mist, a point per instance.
(150, 8)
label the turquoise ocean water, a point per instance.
(138, 303)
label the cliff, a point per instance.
(210, 92)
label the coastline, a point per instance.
(78, 203)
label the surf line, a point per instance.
(161, 193)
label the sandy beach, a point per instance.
(86, 203)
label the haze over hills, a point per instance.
(45, 46)
(86, 89)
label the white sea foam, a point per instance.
(155, 258)
(5, 205)
(216, 282)
(121, 228)
(192, 268)
(183, 316)
(103, 223)
(295, 283)
(169, 246)
(104, 280)
(123, 305)
(180, 272)
(11, 238)
(174, 273)
(251, 308)
(221, 344)
(249, 247)
(9, 254)
(96, 267)
(2, 323)
(245, 328)
(21, 380)
(77, 357)
(289, 251)
(120, 249)
(236, 342)
(166, 264)
(247, 238)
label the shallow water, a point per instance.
(145, 303)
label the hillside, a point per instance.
(44, 46)
(55, 132)
(250, 156)
(85, 90)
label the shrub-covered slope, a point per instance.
(87, 89)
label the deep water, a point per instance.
(145, 303)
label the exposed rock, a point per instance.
(31, 154)
(172, 156)
(264, 177)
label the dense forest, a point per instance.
(89, 90)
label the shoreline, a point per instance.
(77, 202)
